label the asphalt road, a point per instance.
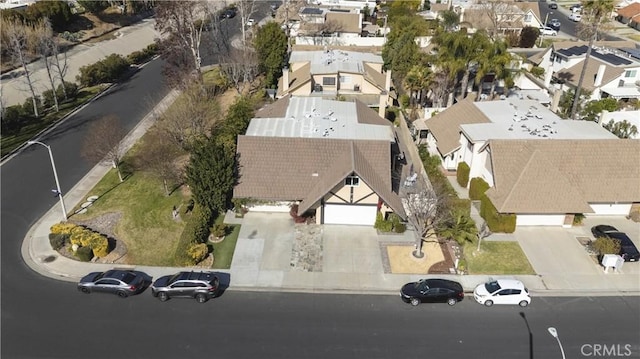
(568, 27)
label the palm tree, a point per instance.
(416, 81)
(458, 53)
(496, 61)
(595, 13)
(460, 228)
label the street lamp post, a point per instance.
(545, 25)
(55, 175)
(554, 333)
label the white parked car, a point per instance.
(502, 291)
(575, 17)
(546, 31)
(250, 22)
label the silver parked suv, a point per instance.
(199, 285)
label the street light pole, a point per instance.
(545, 25)
(554, 333)
(55, 175)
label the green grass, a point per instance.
(11, 142)
(223, 251)
(147, 226)
(497, 258)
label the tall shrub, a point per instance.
(497, 222)
(477, 187)
(462, 174)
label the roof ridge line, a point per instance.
(524, 168)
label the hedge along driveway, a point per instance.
(146, 226)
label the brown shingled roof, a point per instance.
(366, 115)
(572, 74)
(348, 22)
(278, 109)
(445, 126)
(305, 169)
(377, 78)
(563, 176)
(296, 79)
(630, 10)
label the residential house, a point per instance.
(337, 74)
(610, 72)
(548, 182)
(331, 158)
(504, 17)
(527, 154)
(630, 15)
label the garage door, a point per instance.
(350, 214)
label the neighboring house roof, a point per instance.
(534, 7)
(630, 10)
(376, 78)
(347, 22)
(537, 57)
(305, 169)
(610, 44)
(572, 74)
(316, 117)
(334, 61)
(445, 126)
(563, 176)
(439, 7)
(276, 109)
(296, 79)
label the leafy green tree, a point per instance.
(622, 129)
(594, 14)
(566, 101)
(495, 60)
(450, 19)
(211, 174)
(417, 82)
(593, 109)
(94, 6)
(58, 12)
(271, 46)
(107, 70)
(528, 36)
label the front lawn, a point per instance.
(223, 251)
(497, 258)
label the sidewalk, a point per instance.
(129, 39)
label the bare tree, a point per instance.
(41, 41)
(104, 142)
(15, 42)
(158, 155)
(427, 210)
(189, 118)
(246, 8)
(183, 22)
(240, 68)
(500, 14)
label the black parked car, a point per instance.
(121, 282)
(628, 249)
(432, 291)
(199, 285)
(555, 24)
(553, 5)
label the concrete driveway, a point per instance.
(557, 255)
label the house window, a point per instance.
(630, 73)
(352, 181)
(329, 81)
(528, 17)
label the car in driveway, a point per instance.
(628, 249)
(575, 17)
(547, 31)
(555, 24)
(200, 286)
(502, 291)
(120, 282)
(432, 291)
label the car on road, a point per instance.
(201, 286)
(121, 282)
(547, 31)
(228, 13)
(555, 24)
(251, 22)
(553, 6)
(502, 291)
(432, 291)
(628, 249)
(575, 17)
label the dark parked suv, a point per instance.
(199, 285)
(628, 250)
(432, 291)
